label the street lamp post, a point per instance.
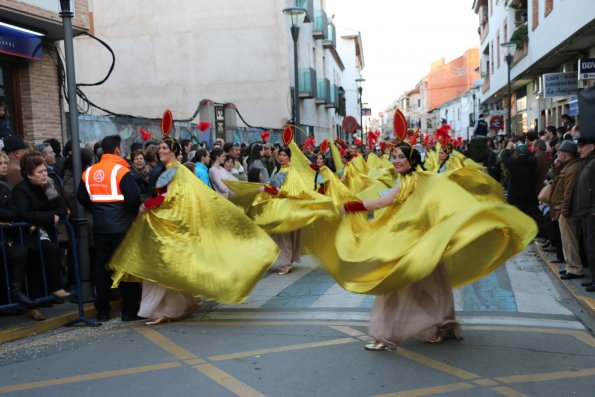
(296, 16)
(509, 49)
(359, 82)
(85, 292)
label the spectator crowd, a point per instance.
(549, 175)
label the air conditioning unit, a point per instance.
(537, 85)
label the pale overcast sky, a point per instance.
(401, 38)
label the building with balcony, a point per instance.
(30, 85)
(214, 63)
(349, 46)
(447, 90)
(550, 36)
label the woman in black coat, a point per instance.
(38, 202)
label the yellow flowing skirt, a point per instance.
(433, 221)
(196, 242)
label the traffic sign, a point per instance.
(586, 69)
(349, 124)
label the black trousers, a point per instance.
(588, 225)
(553, 232)
(52, 268)
(105, 245)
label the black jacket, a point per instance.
(111, 218)
(583, 195)
(5, 129)
(521, 182)
(33, 206)
(7, 214)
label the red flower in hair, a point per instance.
(373, 137)
(357, 142)
(265, 136)
(203, 126)
(309, 143)
(341, 142)
(442, 134)
(145, 135)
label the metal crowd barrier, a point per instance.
(46, 296)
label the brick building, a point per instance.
(447, 81)
(29, 72)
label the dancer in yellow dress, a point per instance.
(285, 207)
(190, 243)
(432, 235)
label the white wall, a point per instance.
(566, 18)
(174, 55)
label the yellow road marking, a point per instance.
(507, 391)
(280, 349)
(87, 377)
(586, 338)
(485, 382)
(229, 382)
(547, 376)
(449, 369)
(166, 344)
(428, 391)
(194, 361)
(347, 330)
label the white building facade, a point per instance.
(551, 36)
(230, 65)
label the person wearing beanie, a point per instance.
(15, 148)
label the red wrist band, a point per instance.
(154, 202)
(271, 190)
(354, 206)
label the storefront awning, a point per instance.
(20, 42)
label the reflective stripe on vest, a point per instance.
(114, 196)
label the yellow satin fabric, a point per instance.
(337, 159)
(432, 221)
(196, 242)
(296, 205)
(455, 161)
(301, 164)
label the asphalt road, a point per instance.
(302, 335)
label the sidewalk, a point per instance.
(586, 299)
(13, 327)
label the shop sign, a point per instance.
(559, 84)
(20, 42)
(586, 69)
(573, 106)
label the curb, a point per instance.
(30, 328)
(586, 302)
